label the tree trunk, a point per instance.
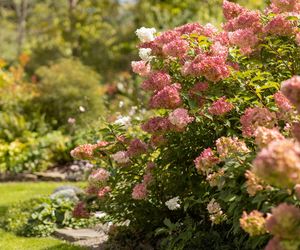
(22, 11)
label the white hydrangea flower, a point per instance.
(121, 104)
(173, 203)
(120, 157)
(145, 34)
(81, 109)
(123, 120)
(145, 54)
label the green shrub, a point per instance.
(66, 86)
(33, 152)
(40, 217)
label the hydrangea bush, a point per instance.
(215, 164)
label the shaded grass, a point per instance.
(13, 192)
(9, 241)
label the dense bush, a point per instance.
(28, 144)
(190, 174)
(69, 90)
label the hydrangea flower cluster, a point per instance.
(180, 118)
(282, 102)
(84, 152)
(206, 161)
(279, 163)
(291, 89)
(228, 147)
(173, 204)
(220, 107)
(80, 210)
(264, 136)
(284, 222)
(121, 157)
(99, 175)
(216, 214)
(256, 117)
(253, 223)
(253, 183)
(139, 191)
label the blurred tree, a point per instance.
(99, 33)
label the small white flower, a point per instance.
(81, 109)
(120, 157)
(121, 104)
(145, 54)
(133, 110)
(173, 203)
(213, 207)
(145, 34)
(71, 120)
(123, 120)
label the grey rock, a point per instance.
(66, 192)
(77, 190)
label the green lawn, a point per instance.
(14, 192)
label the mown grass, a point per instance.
(11, 193)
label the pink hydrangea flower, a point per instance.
(147, 178)
(136, 147)
(100, 174)
(166, 37)
(176, 48)
(157, 80)
(198, 88)
(247, 19)
(255, 117)
(284, 221)
(291, 89)
(264, 136)
(103, 191)
(168, 97)
(232, 10)
(209, 30)
(121, 157)
(274, 244)
(218, 49)
(220, 107)
(139, 191)
(190, 28)
(141, 67)
(243, 38)
(180, 118)
(157, 125)
(205, 161)
(80, 210)
(228, 147)
(279, 163)
(282, 102)
(84, 152)
(213, 68)
(280, 25)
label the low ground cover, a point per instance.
(12, 193)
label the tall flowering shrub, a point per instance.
(216, 151)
